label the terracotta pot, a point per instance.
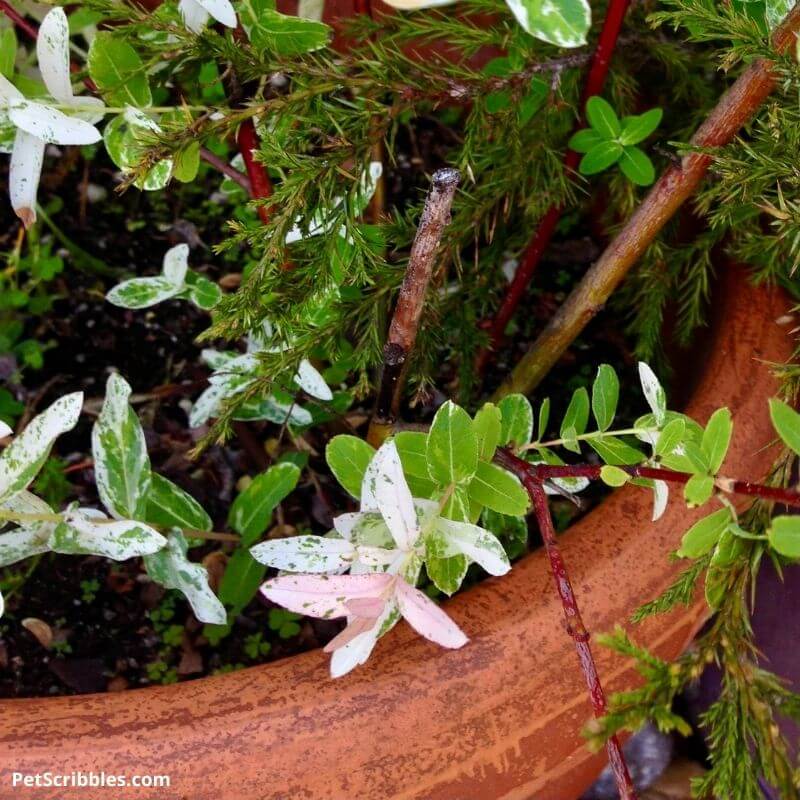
(498, 719)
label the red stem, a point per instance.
(19, 20)
(575, 626)
(544, 233)
(260, 184)
(543, 472)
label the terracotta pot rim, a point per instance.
(499, 718)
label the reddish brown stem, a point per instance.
(260, 184)
(572, 615)
(19, 20)
(547, 226)
(226, 169)
(410, 301)
(773, 494)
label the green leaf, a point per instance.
(187, 163)
(704, 534)
(452, 445)
(8, 52)
(251, 511)
(698, 489)
(172, 569)
(637, 166)
(605, 395)
(716, 438)
(498, 490)
(170, 506)
(121, 463)
(348, 458)
(784, 535)
(600, 157)
(577, 415)
(602, 117)
(23, 458)
(563, 23)
(412, 446)
(614, 476)
(118, 72)
(544, 418)
(615, 451)
(670, 437)
(516, 420)
(487, 426)
(584, 140)
(283, 35)
(786, 422)
(636, 129)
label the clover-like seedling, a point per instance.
(609, 140)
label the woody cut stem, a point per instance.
(408, 310)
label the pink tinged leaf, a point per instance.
(356, 649)
(194, 15)
(221, 10)
(305, 553)
(354, 629)
(51, 125)
(27, 157)
(323, 596)
(425, 617)
(52, 49)
(394, 497)
(660, 497)
(367, 607)
(176, 264)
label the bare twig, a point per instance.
(260, 184)
(408, 311)
(676, 185)
(572, 615)
(225, 168)
(538, 244)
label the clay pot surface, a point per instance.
(500, 718)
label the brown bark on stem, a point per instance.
(410, 301)
(736, 107)
(572, 615)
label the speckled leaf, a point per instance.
(89, 532)
(653, 393)
(142, 292)
(172, 569)
(23, 458)
(475, 543)
(413, 449)
(121, 464)
(285, 35)
(305, 553)
(118, 71)
(563, 23)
